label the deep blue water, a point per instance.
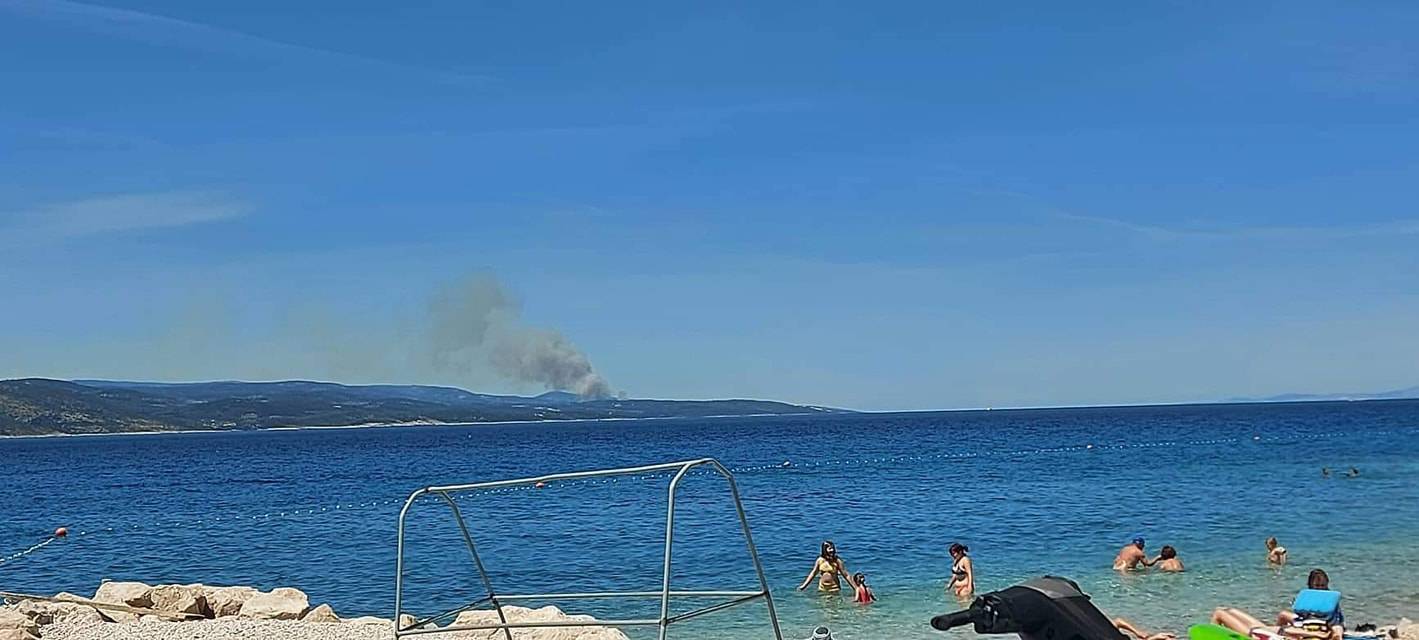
(892, 490)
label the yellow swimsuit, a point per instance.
(828, 570)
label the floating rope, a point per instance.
(33, 548)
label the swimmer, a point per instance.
(1275, 553)
(1167, 560)
(862, 593)
(963, 572)
(1352, 473)
(1131, 556)
(1325, 472)
(828, 567)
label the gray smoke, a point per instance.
(476, 323)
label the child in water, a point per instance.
(863, 593)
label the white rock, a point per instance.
(16, 634)
(280, 604)
(1408, 630)
(545, 614)
(173, 598)
(322, 613)
(226, 601)
(43, 612)
(13, 623)
(133, 594)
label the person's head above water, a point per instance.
(1168, 552)
(827, 550)
(860, 578)
(957, 550)
(1272, 543)
(1138, 541)
(1318, 580)
(822, 633)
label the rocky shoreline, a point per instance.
(136, 611)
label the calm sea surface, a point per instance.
(317, 510)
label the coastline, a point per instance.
(431, 423)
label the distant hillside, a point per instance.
(38, 406)
(1397, 394)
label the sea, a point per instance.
(1030, 492)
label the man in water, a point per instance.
(1131, 556)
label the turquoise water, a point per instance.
(1021, 488)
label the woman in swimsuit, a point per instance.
(1275, 553)
(828, 567)
(1167, 560)
(963, 572)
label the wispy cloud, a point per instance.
(1164, 232)
(1250, 232)
(119, 213)
(173, 32)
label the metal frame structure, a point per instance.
(663, 622)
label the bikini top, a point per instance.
(826, 566)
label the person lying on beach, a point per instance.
(1318, 579)
(1131, 556)
(963, 572)
(1275, 553)
(1167, 560)
(830, 570)
(1312, 626)
(1247, 624)
(1134, 630)
(862, 593)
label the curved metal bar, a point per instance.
(749, 542)
(399, 559)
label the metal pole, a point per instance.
(473, 549)
(399, 561)
(669, 542)
(749, 541)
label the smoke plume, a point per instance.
(475, 323)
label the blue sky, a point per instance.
(874, 205)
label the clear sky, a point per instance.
(874, 204)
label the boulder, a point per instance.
(1407, 630)
(280, 604)
(132, 594)
(43, 612)
(17, 625)
(173, 598)
(226, 601)
(322, 613)
(545, 614)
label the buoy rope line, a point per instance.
(787, 465)
(33, 548)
